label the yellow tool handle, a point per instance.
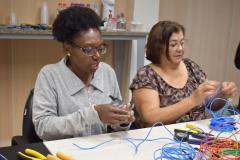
(35, 154)
(51, 157)
(27, 157)
(64, 156)
(192, 126)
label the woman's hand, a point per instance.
(208, 88)
(113, 115)
(129, 109)
(229, 89)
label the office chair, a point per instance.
(28, 131)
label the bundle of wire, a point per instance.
(227, 124)
(227, 108)
(222, 148)
(183, 151)
(218, 116)
(228, 105)
(175, 150)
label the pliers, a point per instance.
(31, 154)
(197, 138)
(191, 137)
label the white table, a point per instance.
(119, 149)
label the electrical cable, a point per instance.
(181, 150)
(222, 148)
(228, 124)
(176, 149)
(218, 115)
(3, 157)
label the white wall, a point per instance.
(147, 17)
(146, 12)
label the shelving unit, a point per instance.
(120, 39)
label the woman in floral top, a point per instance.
(172, 89)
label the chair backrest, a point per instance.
(28, 128)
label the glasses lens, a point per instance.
(102, 49)
(88, 50)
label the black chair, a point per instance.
(28, 131)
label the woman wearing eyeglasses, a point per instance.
(78, 96)
(172, 89)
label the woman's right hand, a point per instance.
(111, 114)
(208, 88)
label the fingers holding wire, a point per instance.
(229, 89)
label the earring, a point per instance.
(68, 54)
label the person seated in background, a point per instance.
(237, 57)
(171, 89)
(237, 65)
(77, 96)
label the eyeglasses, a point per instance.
(173, 44)
(90, 51)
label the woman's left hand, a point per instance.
(129, 109)
(229, 89)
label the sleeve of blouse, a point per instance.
(145, 78)
(199, 74)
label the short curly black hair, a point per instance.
(72, 21)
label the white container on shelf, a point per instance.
(13, 19)
(44, 14)
(136, 26)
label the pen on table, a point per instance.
(31, 154)
(2, 157)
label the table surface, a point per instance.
(115, 148)
(119, 149)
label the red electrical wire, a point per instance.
(221, 148)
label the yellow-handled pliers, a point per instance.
(31, 154)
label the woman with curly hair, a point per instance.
(77, 96)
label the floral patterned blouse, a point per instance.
(146, 77)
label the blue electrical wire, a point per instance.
(155, 124)
(179, 151)
(173, 150)
(94, 147)
(227, 107)
(176, 149)
(128, 139)
(222, 124)
(219, 122)
(2, 157)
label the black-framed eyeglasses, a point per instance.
(90, 51)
